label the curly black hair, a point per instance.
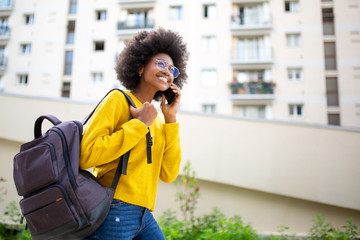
(142, 47)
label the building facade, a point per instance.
(291, 60)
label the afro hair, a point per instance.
(142, 47)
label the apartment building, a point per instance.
(290, 60)
(5, 12)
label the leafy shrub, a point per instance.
(213, 226)
(9, 226)
(216, 226)
(323, 230)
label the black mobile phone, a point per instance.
(169, 95)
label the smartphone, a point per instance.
(169, 95)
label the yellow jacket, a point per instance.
(109, 135)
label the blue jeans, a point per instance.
(128, 222)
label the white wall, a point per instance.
(270, 173)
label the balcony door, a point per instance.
(254, 48)
(2, 55)
(250, 15)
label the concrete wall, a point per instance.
(270, 173)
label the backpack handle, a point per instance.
(37, 128)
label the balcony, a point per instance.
(136, 1)
(252, 56)
(242, 23)
(5, 5)
(252, 90)
(249, 1)
(136, 4)
(4, 32)
(132, 27)
(3, 61)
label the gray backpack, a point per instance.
(61, 201)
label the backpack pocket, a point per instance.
(49, 209)
(27, 164)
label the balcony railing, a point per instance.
(242, 21)
(252, 88)
(135, 1)
(4, 32)
(3, 61)
(6, 4)
(252, 55)
(126, 25)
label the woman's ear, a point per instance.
(140, 70)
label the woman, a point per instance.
(146, 67)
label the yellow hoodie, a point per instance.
(109, 135)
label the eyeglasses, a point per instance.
(162, 65)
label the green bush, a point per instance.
(13, 230)
(323, 230)
(216, 226)
(213, 226)
(11, 215)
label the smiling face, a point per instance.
(153, 76)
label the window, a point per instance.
(6, 3)
(292, 6)
(252, 14)
(3, 55)
(296, 110)
(332, 91)
(208, 77)
(209, 11)
(25, 48)
(4, 26)
(1, 83)
(253, 76)
(294, 74)
(209, 44)
(99, 45)
(330, 56)
(22, 79)
(254, 49)
(73, 6)
(251, 111)
(334, 119)
(209, 108)
(65, 90)
(175, 13)
(70, 32)
(135, 19)
(328, 21)
(293, 39)
(101, 15)
(68, 62)
(29, 19)
(97, 78)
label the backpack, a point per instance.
(60, 200)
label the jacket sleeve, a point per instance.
(172, 154)
(109, 134)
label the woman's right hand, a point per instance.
(146, 113)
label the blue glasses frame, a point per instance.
(162, 65)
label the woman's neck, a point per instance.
(143, 94)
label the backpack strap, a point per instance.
(128, 98)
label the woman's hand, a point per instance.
(170, 111)
(146, 113)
